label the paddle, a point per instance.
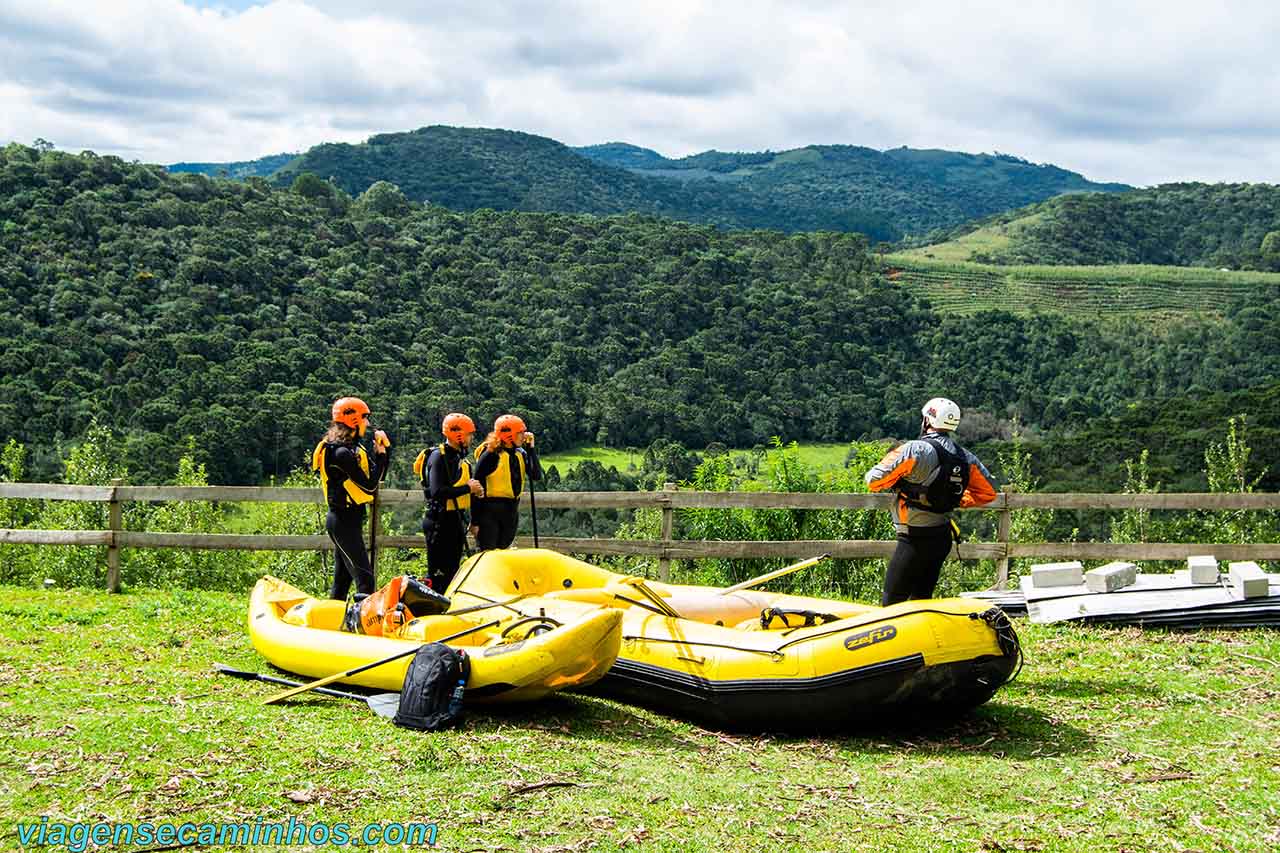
(380, 440)
(785, 570)
(533, 507)
(338, 676)
(373, 535)
(643, 588)
(382, 704)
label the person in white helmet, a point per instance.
(932, 475)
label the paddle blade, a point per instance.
(384, 704)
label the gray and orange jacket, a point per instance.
(916, 462)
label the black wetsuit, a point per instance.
(345, 520)
(497, 514)
(444, 525)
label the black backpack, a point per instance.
(431, 698)
(946, 490)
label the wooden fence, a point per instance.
(666, 548)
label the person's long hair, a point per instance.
(491, 443)
(339, 434)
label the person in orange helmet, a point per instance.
(506, 461)
(349, 479)
(448, 486)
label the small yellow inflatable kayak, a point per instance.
(758, 660)
(513, 659)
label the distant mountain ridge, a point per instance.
(884, 194)
(262, 167)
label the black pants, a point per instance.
(497, 519)
(350, 559)
(916, 564)
(444, 534)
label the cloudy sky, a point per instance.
(1119, 90)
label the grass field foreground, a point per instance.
(1110, 740)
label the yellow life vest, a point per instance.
(498, 484)
(464, 476)
(320, 464)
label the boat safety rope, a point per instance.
(681, 642)
(1005, 634)
(491, 604)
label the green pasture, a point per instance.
(608, 457)
(818, 455)
(1109, 740)
(986, 240)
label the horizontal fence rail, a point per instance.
(666, 500)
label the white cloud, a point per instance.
(1141, 92)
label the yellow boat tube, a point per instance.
(517, 659)
(759, 660)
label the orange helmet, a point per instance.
(457, 425)
(349, 411)
(508, 426)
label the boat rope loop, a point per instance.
(1006, 636)
(811, 617)
(543, 623)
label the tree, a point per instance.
(1270, 250)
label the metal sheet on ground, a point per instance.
(1180, 579)
(1204, 603)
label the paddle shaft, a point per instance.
(533, 508)
(338, 676)
(785, 570)
(271, 679)
(382, 704)
(373, 535)
(643, 588)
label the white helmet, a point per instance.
(941, 413)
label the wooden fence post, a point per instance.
(115, 522)
(1004, 527)
(664, 562)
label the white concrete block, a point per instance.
(1111, 577)
(1248, 580)
(1204, 569)
(1057, 574)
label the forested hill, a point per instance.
(1217, 225)
(910, 186)
(837, 188)
(262, 167)
(1175, 432)
(173, 306)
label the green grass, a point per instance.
(1110, 740)
(609, 457)
(987, 240)
(1138, 291)
(823, 456)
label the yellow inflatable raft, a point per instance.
(513, 659)
(758, 660)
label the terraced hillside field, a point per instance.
(1094, 291)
